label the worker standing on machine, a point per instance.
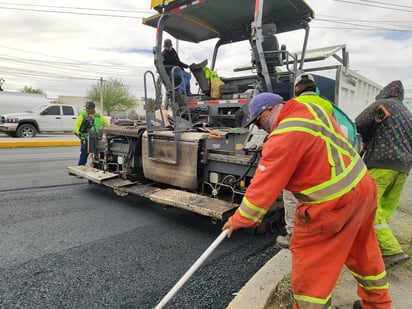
(307, 154)
(171, 58)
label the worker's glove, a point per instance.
(237, 221)
(229, 226)
(233, 224)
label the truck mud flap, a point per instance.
(90, 173)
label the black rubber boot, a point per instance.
(356, 305)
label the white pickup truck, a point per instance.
(40, 119)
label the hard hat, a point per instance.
(260, 103)
(167, 43)
(90, 105)
(304, 77)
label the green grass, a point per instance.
(282, 295)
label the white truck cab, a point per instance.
(40, 119)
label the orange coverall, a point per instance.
(331, 230)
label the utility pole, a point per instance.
(101, 95)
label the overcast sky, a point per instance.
(64, 47)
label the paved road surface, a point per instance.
(67, 244)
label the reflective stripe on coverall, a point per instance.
(334, 219)
(342, 178)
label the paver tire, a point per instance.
(26, 130)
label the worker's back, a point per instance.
(344, 122)
(312, 150)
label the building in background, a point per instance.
(79, 102)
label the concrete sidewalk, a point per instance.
(41, 140)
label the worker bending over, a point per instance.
(307, 154)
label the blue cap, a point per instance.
(260, 103)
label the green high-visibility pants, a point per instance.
(389, 184)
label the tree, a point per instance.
(116, 96)
(151, 105)
(30, 89)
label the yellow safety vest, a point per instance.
(313, 98)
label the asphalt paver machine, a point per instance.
(201, 158)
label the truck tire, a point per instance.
(26, 130)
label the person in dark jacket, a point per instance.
(171, 59)
(386, 130)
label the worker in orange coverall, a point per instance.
(307, 154)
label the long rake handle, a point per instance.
(192, 269)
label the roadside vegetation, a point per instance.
(116, 95)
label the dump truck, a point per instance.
(201, 158)
(346, 88)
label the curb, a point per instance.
(257, 292)
(19, 144)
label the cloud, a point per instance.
(65, 54)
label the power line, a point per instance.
(386, 3)
(56, 80)
(76, 8)
(351, 28)
(375, 6)
(70, 64)
(67, 72)
(72, 13)
(338, 18)
(36, 53)
(393, 24)
(366, 27)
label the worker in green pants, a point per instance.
(386, 130)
